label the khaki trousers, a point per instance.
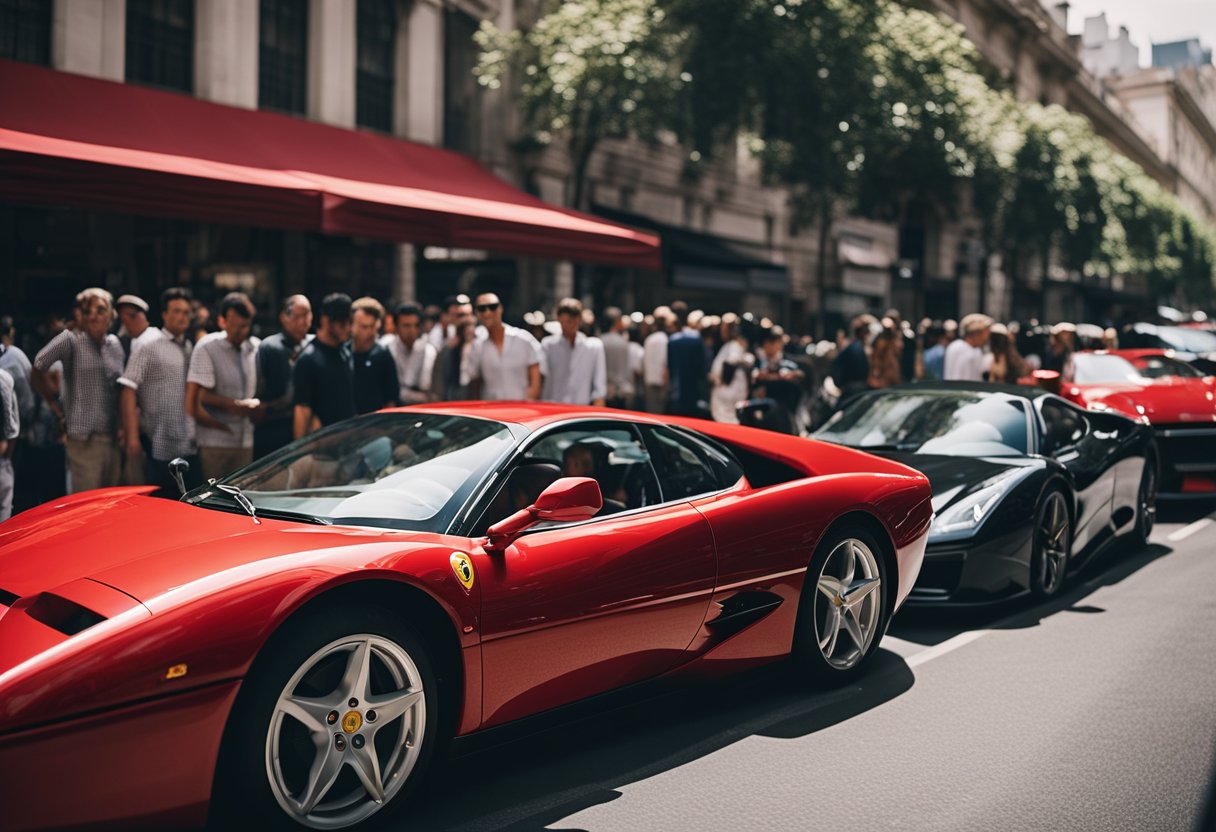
(219, 462)
(93, 462)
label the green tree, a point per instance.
(590, 70)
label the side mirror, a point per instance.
(178, 467)
(1049, 380)
(568, 500)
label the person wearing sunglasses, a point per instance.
(506, 364)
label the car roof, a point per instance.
(1021, 391)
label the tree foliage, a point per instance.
(861, 105)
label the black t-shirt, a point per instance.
(324, 380)
(375, 379)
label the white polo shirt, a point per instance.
(504, 374)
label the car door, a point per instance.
(572, 610)
(1070, 437)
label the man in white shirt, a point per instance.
(506, 364)
(964, 359)
(413, 354)
(654, 361)
(617, 358)
(573, 364)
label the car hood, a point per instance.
(954, 477)
(1161, 401)
(145, 546)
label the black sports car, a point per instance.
(1026, 486)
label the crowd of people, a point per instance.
(110, 399)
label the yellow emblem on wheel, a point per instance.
(352, 722)
(462, 565)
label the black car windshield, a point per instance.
(1188, 340)
(392, 470)
(950, 422)
(1091, 368)
(1162, 366)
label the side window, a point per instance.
(684, 465)
(611, 454)
(1064, 425)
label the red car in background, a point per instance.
(1171, 395)
(293, 644)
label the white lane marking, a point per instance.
(1187, 531)
(947, 646)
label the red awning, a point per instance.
(73, 140)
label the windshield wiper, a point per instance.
(239, 496)
(245, 504)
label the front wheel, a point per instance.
(1146, 503)
(335, 727)
(1052, 546)
(843, 610)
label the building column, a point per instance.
(422, 82)
(405, 279)
(563, 280)
(226, 52)
(331, 62)
(90, 37)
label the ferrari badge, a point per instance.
(463, 567)
(352, 722)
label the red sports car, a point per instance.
(1172, 396)
(296, 642)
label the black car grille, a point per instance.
(1188, 454)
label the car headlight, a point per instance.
(970, 511)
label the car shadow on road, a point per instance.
(931, 627)
(534, 782)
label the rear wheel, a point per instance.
(1052, 546)
(843, 610)
(334, 728)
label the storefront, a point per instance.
(136, 189)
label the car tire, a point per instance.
(1146, 503)
(289, 732)
(1051, 546)
(839, 602)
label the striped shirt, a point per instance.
(230, 371)
(91, 371)
(156, 372)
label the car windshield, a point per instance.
(392, 470)
(1103, 369)
(1188, 340)
(1161, 366)
(950, 422)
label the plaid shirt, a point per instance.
(10, 422)
(90, 373)
(156, 372)
(230, 371)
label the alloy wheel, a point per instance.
(346, 732)
(1054, 544)
(847, 604)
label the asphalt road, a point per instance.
(1096, 711)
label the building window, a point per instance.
(25, 30)
(461, 92)
(283, 55)
(377, 63)
(160, 43)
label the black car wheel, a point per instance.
(1146, 503)
(842, 613)
(334, 728)
(1052, 546)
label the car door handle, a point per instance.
(1104, 435)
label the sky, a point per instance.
(1149, 20)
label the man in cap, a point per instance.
(150, 400)
(133, 322)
